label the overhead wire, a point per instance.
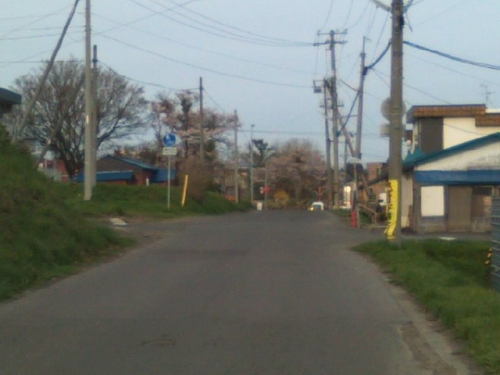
(229, 35)
(213, 100)
(202, 68)
(150, 15)
(328, 14)
(139, 81)
(451, 57)
(452, 70)
(282, 40)
(405, 84)
(38, 19)
(197, 48)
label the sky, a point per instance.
(260, 57)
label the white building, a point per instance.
(453, 170)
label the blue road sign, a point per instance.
(169, 140)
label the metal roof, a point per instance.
(134, 162)
(9, 97)
(413, 160)
(109, 176)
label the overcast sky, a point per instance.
(257, 56)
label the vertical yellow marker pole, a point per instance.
(393, 209)
(184, 193)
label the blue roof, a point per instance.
(415, 159)
(9, 97)
(162, 175)
(109, 176)
(470, 177)
(134, 162)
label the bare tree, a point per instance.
(181, 115)
(58, 118)
(298, 168)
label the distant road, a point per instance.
(264, 293)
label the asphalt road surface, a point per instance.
(264, 293)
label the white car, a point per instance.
(317, 206)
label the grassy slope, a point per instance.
(45, 231)
(41, 237)
(452, 281)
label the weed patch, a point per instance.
(451, 280)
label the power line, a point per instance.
(38, 19)
(230, 35)
(31, 36)
(201, 49)
(329, 13)
(31, 56)
(139, 81)
(380, 57)
(202, 68)
(378, 73)
(453, 70)
(284, 132)
(454, 58)
(213, 100)
(281, 40)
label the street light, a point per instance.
(355, 163)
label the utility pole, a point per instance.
(332, 86)
(328, 143)
(87, 194)
(335, 109)
(396, 131)
(359, 125)
(93, 119)
(251, 164)
(329, 174)
(202, 135)
(236, 159)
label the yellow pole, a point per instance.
(390, 231)
(184, 193)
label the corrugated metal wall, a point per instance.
(495, 233)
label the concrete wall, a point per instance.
(460, 130)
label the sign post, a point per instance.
(169, 140)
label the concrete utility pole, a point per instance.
(88, 167)
(332, 86)
(329, 174)
(359, 125)
(202, 135)
(396, 126)
(335, 109)
(251, 163)
(93, 119)
(236, 159)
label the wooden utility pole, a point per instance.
(396, 128)
(88, 171)
(202, 135)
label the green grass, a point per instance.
(41, 237)
(145, 201)
(48, 231)
(451, 280)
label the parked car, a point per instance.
(317, 206)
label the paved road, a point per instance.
(265, 293)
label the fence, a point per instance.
(495, 234)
